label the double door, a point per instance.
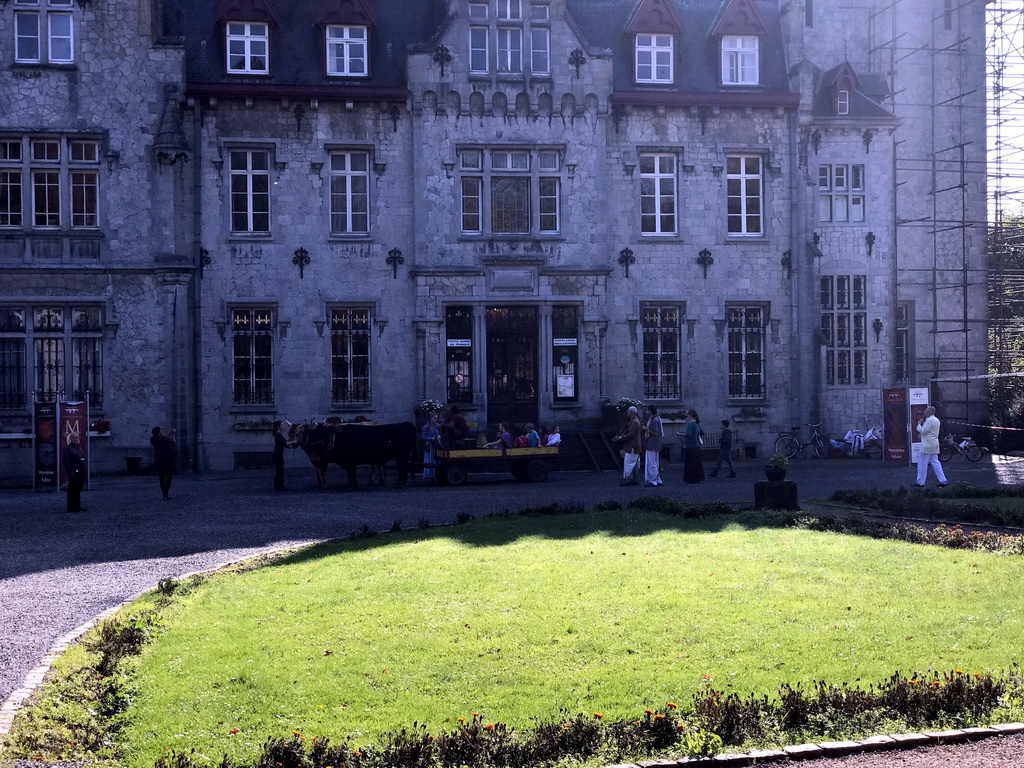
(512, 380)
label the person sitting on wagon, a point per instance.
(504, 438)
(454, 428)
(533, 439)
(555, 437)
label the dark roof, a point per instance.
(603, 24)
(865, 93)
(297, 45)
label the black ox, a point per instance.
(350, 445)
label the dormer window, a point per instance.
(842, 102)
(654, 57)
(248, 45)
(43, 32)
(346, 51)
(740, 61)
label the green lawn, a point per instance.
(517, 617)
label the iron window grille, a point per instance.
(459, 353)
(746, 339)
(350, 355)
(252, 330)
(661, 338)
(34, 346)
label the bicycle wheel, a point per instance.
(820, 448)
(974, 452)
(787, 445)
(946, 452)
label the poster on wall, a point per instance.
(73, 419)
(44, 448)
(894, 413)
(918, 402)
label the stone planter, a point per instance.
(775, 474)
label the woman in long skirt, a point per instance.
(430, 433)
(693, 464)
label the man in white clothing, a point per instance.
(928, 428)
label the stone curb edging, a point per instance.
(37, 675)
(826, 749)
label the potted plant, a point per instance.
(775, 467)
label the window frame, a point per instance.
(843, 308)
(565, 346)
(348, 376)
(512, 42)
(653, 48)
(459, 352)
(251, 194)
(52, 185)
(73, 348)
(248, 38)
(346, 44)
(741, 65)
(743, 177)
(253, 386)
(842, 194)
(531, 169)
(45, 36)
(743, 362)
(661, 366)
(657, 177)
(350, 176)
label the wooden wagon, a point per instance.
(527, 464)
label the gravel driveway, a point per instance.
(57, 571)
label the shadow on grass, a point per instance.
(646, 515)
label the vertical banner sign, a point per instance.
(44, 449)
(73, 420)
(894, 413)
(918, 402)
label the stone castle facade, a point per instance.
(214, 215)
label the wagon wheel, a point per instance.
(455, 474)
(536, 471)
(519, 469)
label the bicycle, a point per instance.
(956, 446)
(790, 445)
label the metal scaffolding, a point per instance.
(1005, 127)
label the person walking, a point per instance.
(73, 460)
(629, 445)
(165, 457)
(693, 464)
(724, 450)
(928, 428)
(280, 441)
(653, 432)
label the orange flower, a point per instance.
(936, 683)
(659, 717)
(232, 731)
(670, 705)
(913, 682)
(958, 671)
(598, 715)
(490, 726)
(462, 720)
(707, 677)
(648, 711)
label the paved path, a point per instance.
(57, 571)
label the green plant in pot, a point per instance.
(775, 467)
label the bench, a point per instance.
(709, 451)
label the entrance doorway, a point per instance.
(512, 365)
